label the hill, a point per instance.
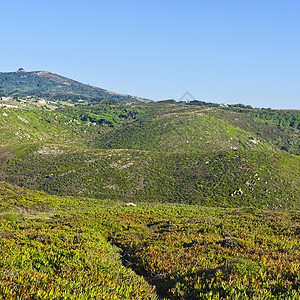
(151, 127)
(163, 127)
(221, 178)
(151, 152)
(52, 86)
(185, 128)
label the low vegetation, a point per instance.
(149, 201)
(67, 248)
(223, 178)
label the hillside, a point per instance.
(55, 87)
(149, 201)
(76, 248)
(152, 152)
(48, 252)
(151, 127)
(221, 178)
(182, 127)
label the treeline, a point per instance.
(282, 118)
(192, 102)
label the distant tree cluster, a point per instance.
(109, 112)
(240, 106)
(282, 118)
(192, 102)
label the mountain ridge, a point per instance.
(54, 86)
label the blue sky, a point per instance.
(231, 51)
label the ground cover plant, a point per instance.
(214, 254)
(184, 252)
(49, 253)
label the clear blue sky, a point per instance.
(233, 51)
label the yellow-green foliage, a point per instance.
(187, 252)
(196, 253)
(61, 257)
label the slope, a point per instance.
(65, 248)
(221, 178)
(53, 86)
(49, 251)
(186, 128)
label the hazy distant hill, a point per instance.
(53, 86)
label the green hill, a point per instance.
(153, 153)
(221, 178)
(152, 127)
(188, 128)
(52, 86)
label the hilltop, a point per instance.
(55, 87)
